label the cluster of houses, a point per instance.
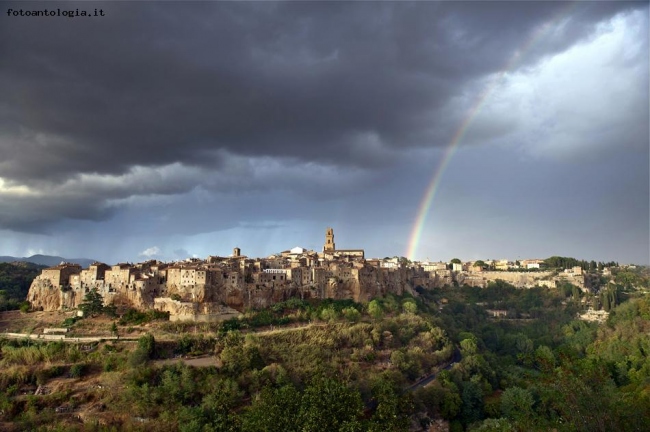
(196, 288)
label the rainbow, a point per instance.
(432, 188)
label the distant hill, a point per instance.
(48, 260)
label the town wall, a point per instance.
(518, 279)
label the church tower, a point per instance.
(329, 241)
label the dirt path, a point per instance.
(86, 339)
(203, 361)
(287, 329)
(64, 338)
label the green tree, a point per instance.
(576, 292)
(392, 412)
(391, 304)
(217, 406)
(523, 343)
(472, 398)
(232, 355)
(605, 300)
(449, 396)
(409, 306)
(93, 303)
(517, 404)
(330, 405)
(329, 314)
(147, 344)
(144, 352)
(25, 306)
(544, 358)
(450, 404)
(351, 314)
(375, 309)
(468, 346)
(456, 261)
(495, 425)
(405, 363)
(274, 410)
(239, 353)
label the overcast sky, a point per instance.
(166, 130)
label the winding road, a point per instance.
(426, 380)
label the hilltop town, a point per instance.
(338, 322)
(203, 289)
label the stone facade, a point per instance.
(195, 289)
(329, 241)
(518, 279)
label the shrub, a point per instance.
(113, 362)
(134, 316)
(351, 314)
(144, 352)
(137, 358)
(147, 343)
(69, 322)
(409, 306)
(77, 370)
(193, 345)
(41, 377)
(230, 325)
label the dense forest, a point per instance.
(551, 371)
(440, 357)
(559, 262)
(15, 279)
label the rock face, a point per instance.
(188, 311)
(200, 289)
(519, 280)
(43, 295)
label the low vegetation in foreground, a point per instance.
(440, 359)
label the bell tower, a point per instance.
(329, 240)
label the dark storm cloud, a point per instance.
(155, 83)
(200, 84)
(29, 214)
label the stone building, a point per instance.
(331, 253)
(120, 275)
(59, 276)
(93, 274)
(329, 240)
(197, 287)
